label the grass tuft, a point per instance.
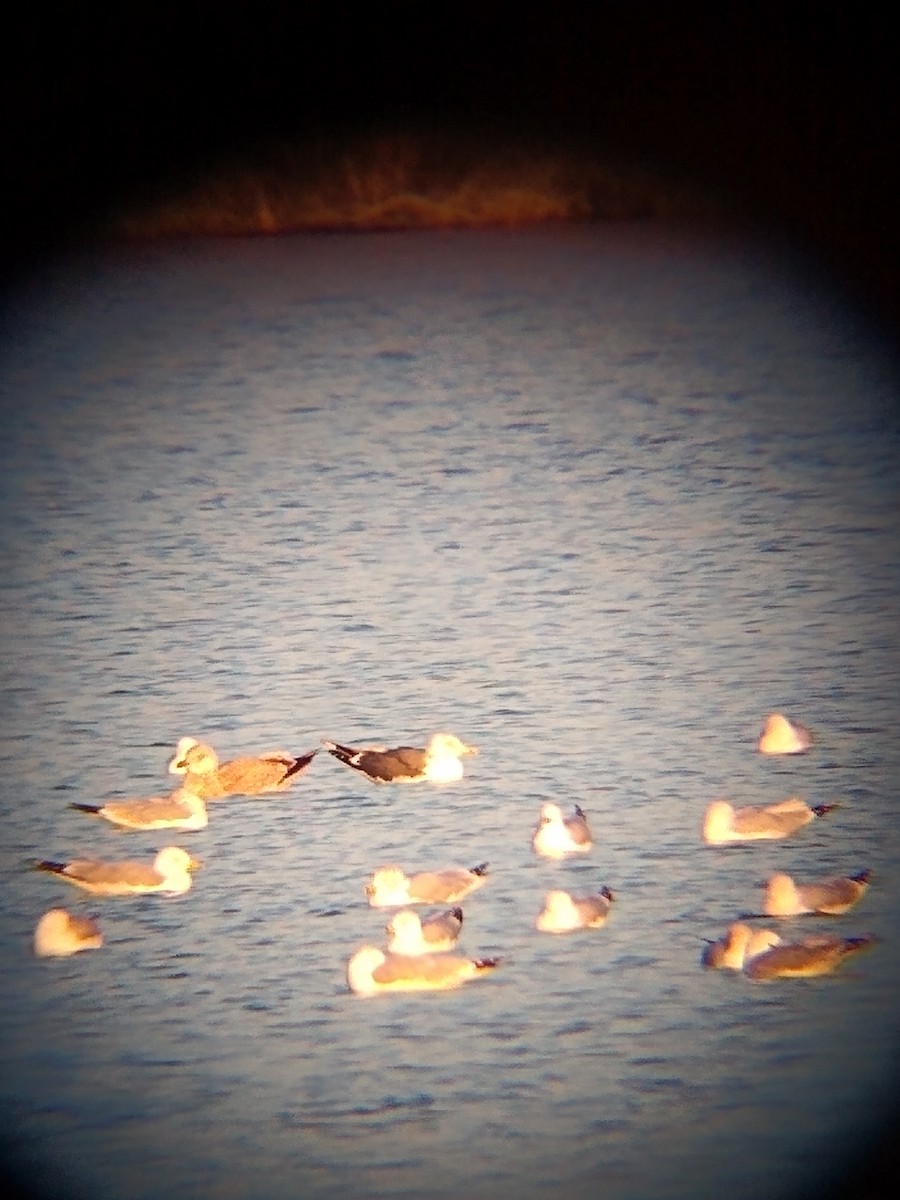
(400, 182)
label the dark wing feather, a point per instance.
(403, 762)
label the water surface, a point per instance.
(594, 500)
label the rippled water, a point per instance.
(594, 500)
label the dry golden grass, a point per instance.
(399, 182)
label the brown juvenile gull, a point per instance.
(811, 956)
(781, 736)
(739, 944)
(390, 888)
(787, 898)
(562, 913)
(408, 934)
(723, 823)
(203, 774)
(180, 810)
(439, 762)
(59, 933)
(371, 970)
(170, 873)
(556, 836)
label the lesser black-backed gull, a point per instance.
(439, 762)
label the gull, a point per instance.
(787, 898)
(739, 944)
(390, 888)
(723, 823)
(562, 912)
(371, 970)
(811, 956)
(439, 762)
(409, 935)
(203, 774)
(169, 873)
(59, 933)
(183, 809)
(781, 736)
(556, 836)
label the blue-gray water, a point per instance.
(594, 500)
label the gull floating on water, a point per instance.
(787, 898)
(562, 912)
(371, 970)
(556, 836)
(389, 887)
(170, 873)
(781, 736)
(181, 810)
(203, 774)
(723, 823)
(410, 935)
(59, 933)
(439, 762)
(811, 956)
(739, 944)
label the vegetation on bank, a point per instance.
(403, 183)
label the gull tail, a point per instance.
(301, 762)
(343, 754)
(853, 944)
(55, 868)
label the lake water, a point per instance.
(595, 500)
